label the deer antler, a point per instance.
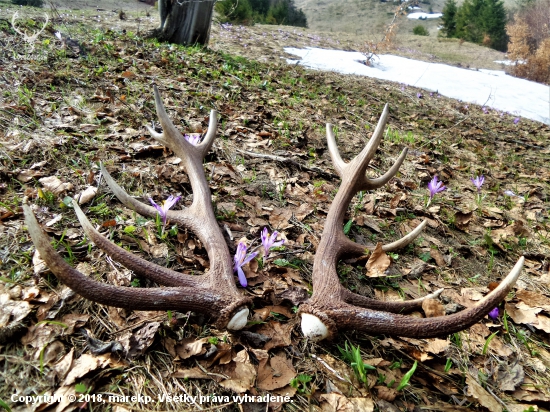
(332, 307)
(214, 293)
(28, 39)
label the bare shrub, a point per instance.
(529, 46)
(371, 48)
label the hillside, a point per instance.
(364, 17)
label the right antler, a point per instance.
(333, 307)
(214, 293)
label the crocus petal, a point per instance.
(159, 208)
(242, 277)
(249, 258)
(171, 201)
(494, 313)
(193, 139)
(264, 236)
(435, 186)
(278, 243)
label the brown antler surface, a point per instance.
(333, 307)
(214, 293)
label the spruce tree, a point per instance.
(449, 18)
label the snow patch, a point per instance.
(500, 91)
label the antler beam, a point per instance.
(333, 307)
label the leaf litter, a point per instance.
(63, 130)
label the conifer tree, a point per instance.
(449, 18)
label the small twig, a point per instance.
(228, 230)
(322, 362)
(496, 397)
(137, 324)
(289, 161)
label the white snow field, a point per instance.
(491, 88)
(419, 15)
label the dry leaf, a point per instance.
(433, 308)
(278, 332)
(378, 262)
(141, 339)
(436, 345)
(509, 378)
(241, 372)
(87, 195)
(50, 353)
(522, 407)
(462, 220)
(438, 257)
(85, 364)
(484, 398)
(385, 393)
(335, 402)
(362, 404)
(61, 368)
(534, 299)
(522, 313)
(190, 347)
(276, 373)
(12, 311)
(54, 185)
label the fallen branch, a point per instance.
(289, 161)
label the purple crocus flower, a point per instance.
(494, 314)
(516, 120)
(478, 181)
(269, 241)
(241, 259)
(166, 205)
(509, 193)
(193, 139)
(419, 95)
(435, 186)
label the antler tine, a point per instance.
(125, 198)
(181, 217)
(358, 166)
(407, 239)
(206, 143)
(224, 307)
(387, 306)
(140, 266)
(369, 184)
(339, 164)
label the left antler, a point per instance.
(333, 307)
(214, 293)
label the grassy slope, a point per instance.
(363, 16)
(72, 112)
